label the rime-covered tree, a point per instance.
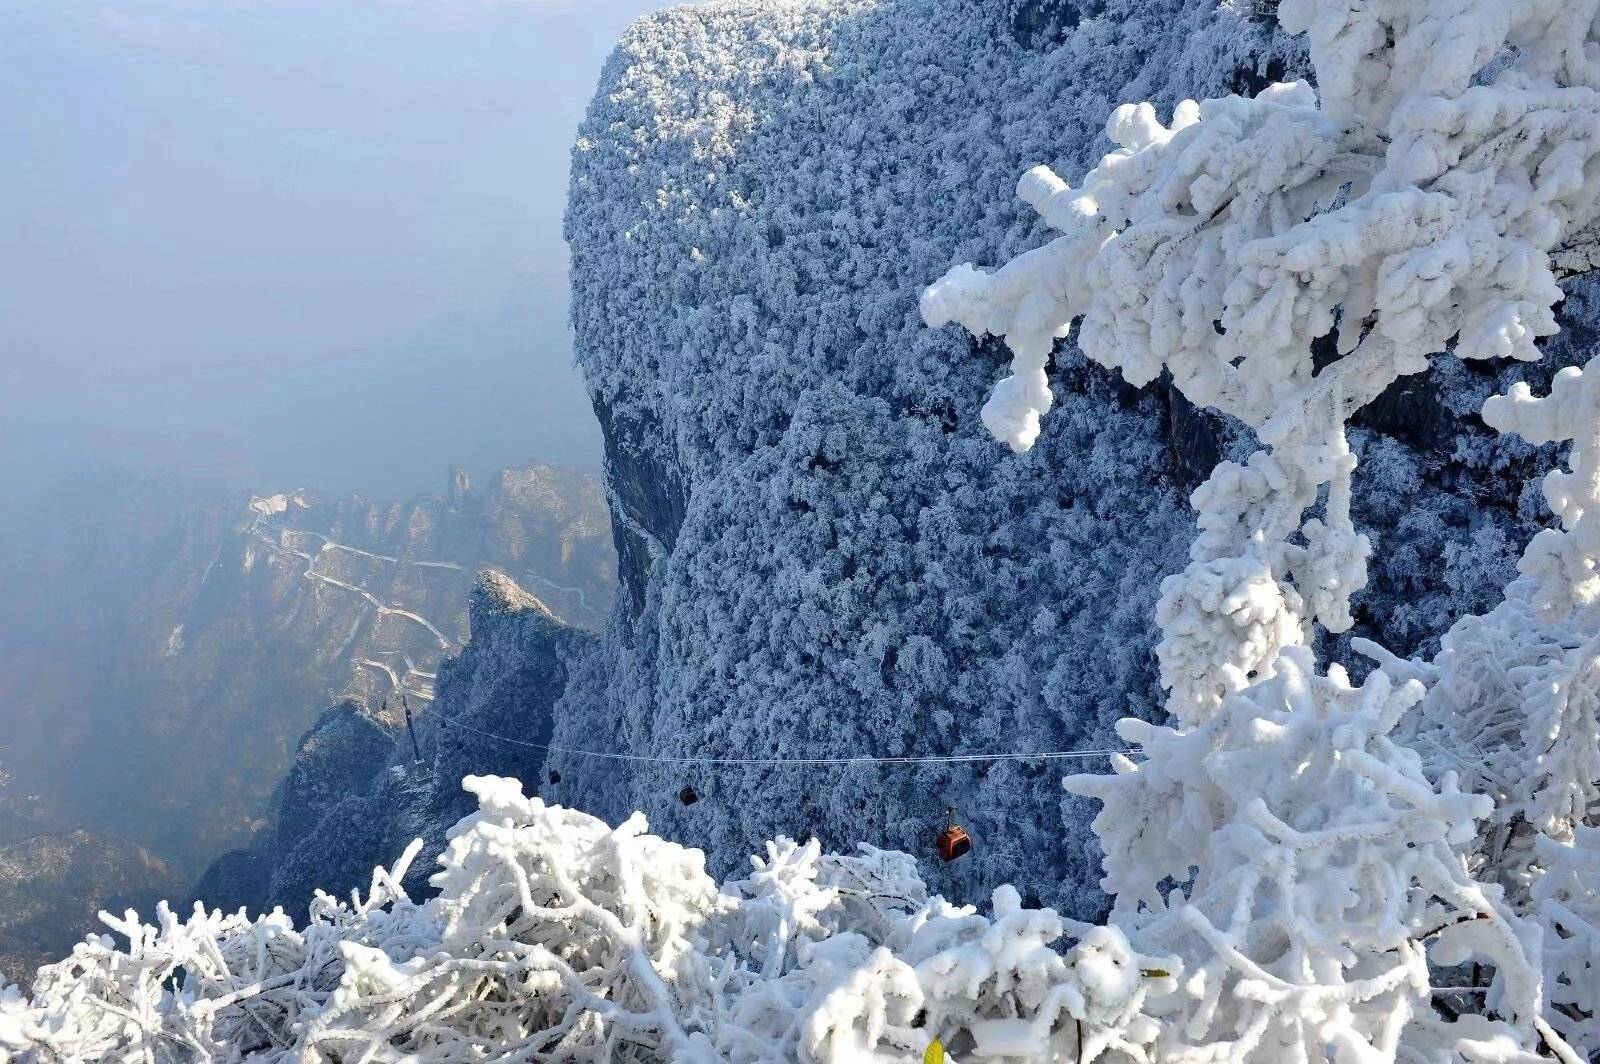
(1426, 202)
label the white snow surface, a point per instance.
(555, 937)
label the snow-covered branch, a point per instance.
(1415, 208)
(1286, 259)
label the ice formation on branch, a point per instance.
(1540, 843)
(1285, 260)
(1514, 706)
(1561, 562)
(1314, 864)
(1416, 207)
(213, 987)
(1567, 900)
(1514, 709)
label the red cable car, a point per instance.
(953, 840)
(687, 796)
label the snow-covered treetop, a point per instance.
(1286, 259)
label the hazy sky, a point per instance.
(290, 242)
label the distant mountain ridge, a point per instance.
(357, 792)
(183, 638)
(406, 606)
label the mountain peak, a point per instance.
(495, 592)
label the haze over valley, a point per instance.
(167, 644)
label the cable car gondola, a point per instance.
(953, 840)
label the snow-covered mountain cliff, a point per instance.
(357, 793)
(821, 551)
(1306, 865)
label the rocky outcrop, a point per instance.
(650, 501)
(357, 793)
(338, 757)
(55, 879)
(335, 762)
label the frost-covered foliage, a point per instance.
(1567, 901)
(1314, 862)
(215, 986)
(555, 937)
(1410, 208)
(1514, 706)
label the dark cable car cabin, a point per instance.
(687, 796)
(555, 777)
(953, 840)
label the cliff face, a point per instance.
(824, 554)
(358, 793)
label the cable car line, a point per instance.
(952, 843)
(1045, 755)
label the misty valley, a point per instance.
(190, 639)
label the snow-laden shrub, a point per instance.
(213, 987)
(556, 937)
(1513, 708)
(1300, 863)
